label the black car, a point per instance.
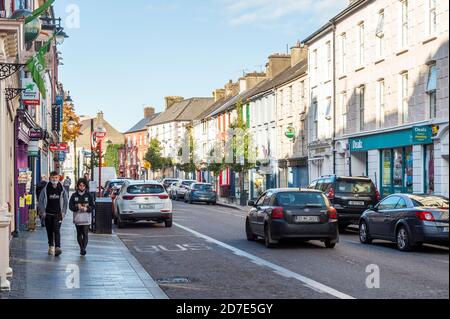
(351, 196)
(292, 213)
(408, 220)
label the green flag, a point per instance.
(39, 11)
(36, 65)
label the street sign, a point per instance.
(36, 134)
(93, 140)
(60, 147)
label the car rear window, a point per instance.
(430, 201)
(203, 187)
(145, 189)
(299, 199)
(186, 183)
(354, 186)
(112, 184)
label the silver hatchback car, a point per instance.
(143, 201)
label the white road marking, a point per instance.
(312, 284)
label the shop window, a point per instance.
(397, 170)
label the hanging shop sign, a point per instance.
(422, 135)
(31, 29)
(36, 134)
(31, 95)
(56, 118)
(290, 132)
(25, 176)
(60, 147)
(33, 149)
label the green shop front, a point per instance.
(399, 160)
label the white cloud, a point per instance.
(261, 12)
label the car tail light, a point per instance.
(163, 196)
(377, 194)
(425, 216)
(332, 213)
(277, 213)
(127, 197)
(165, 211)
(330, 193)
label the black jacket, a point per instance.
(81, 199)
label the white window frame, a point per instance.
(404, 92)
(381, 102)
(328, 45)
(380, 34)
(432, 89)
(344, 111)
(315, 58)
(361, 43)
(404, 24)
(361, 107)
(432, 16)
(315, 106)
(343, 52)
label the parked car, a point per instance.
(351, 196)
(180, 188)
(168, 181)
(201, 192)
(171, 188)
(143, 201)
(292, 213)
(115, 191)
(109, 185)
(408, 220)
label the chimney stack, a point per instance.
(231, 89)
(171, 100)
(277, 64)
(149, 112)
(218, 94)
(250, 80)
(298, 54)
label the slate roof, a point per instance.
(264, 86)
(186, 110)
(142, 124)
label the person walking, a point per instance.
(53, 202)
(82, 205)
(67, 182)
(42, 184)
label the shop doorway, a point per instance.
(397, 171)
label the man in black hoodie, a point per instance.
(53, 203)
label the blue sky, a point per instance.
(127, 54)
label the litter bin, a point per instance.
(102, 217)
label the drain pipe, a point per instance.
(334, 96)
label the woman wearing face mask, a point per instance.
(82, 205)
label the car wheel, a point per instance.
(250, 235)
(121, 224)
(403, 240)
(168, 223)
(268, 241)
(364, 235)
(329, 244)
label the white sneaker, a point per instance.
(51, 251)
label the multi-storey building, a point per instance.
(136, 146)
(391, 93)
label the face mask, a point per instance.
(54, 183)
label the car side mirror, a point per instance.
(251, 203)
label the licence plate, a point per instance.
(356, 203)
(146, 206)
(445, 229)
(307, 219)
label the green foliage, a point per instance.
(154, 157)
(190, 166)
(112, 156)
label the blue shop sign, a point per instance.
(418, 135)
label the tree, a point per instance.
(71, 125)
(243, 150)
(191, 165)
(153, 156)
(112, 156)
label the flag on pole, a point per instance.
(36, 65)
(36, 13)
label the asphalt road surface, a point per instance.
(206, 255)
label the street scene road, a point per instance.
(206, 255)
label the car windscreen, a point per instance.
(430, 201)
(203, 187)
(113, 184)
(145, 189)
(300, 200)
(354, 186)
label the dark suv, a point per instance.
(351, 196)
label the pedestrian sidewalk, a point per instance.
(109, 271)
(224, 203)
